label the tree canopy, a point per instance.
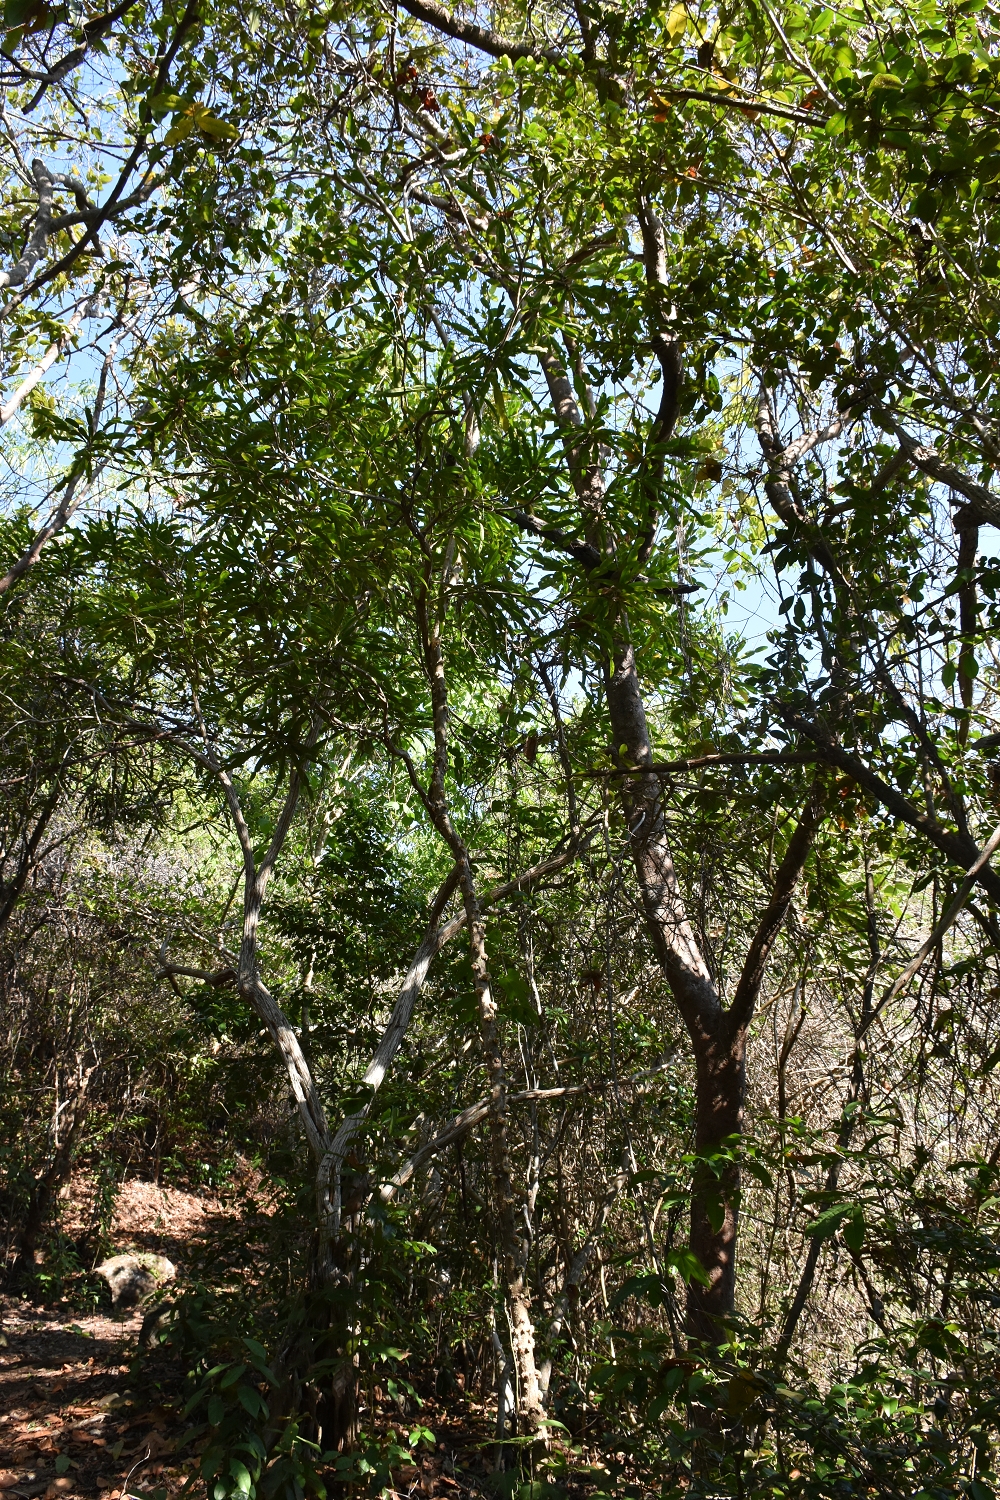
(500, 731)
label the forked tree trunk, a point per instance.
(718, 1056)
(513, 1244)
(717, 1034)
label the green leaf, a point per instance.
(179, 131)
(828, 1222)
(676, 23)
(715, 1208)
(31, 14)
(884, 81)
(220, 129)
(252, 1401)
(241, 1474)
(687, 1266)
(854, 1232)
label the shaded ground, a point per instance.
(73, 1421)
(79, 1420)
(67, 1424)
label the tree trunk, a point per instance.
(719, 1063)
(718, 1036)
(513, 1243)
(720, 1093)
(58, 1172)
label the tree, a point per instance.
(493, 349)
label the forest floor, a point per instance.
(80, 1420)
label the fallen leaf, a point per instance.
(7, 1479)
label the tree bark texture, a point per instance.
(513, 1244)
(718, 1035)
(66, 1131)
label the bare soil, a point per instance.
(80, 1420)
(73, 1423)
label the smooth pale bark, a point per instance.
(46, 362)
(513, 1244)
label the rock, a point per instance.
(157, 1317)
(133, 1277)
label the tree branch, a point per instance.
(960, 849)
(984, 505)
(480, 37)
(83, 309)
(698, 762)
(785, 881)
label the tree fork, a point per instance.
(513, 1247)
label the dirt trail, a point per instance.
(78, 1419)
(66, 1425)
(71, 1421)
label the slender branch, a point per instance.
(668, 353)
(113, 205)
(800, 59)
(749, 105)
(460, 1125)
(218, 978)
(785, 881)
(698, 762)
(52, 353)
(985, 505)
(38, 238)
(93, 31)
(588, 557)
(947, 919)
(73, 495)
(959, 849)
(480, 37)
(781, 460)
(436, 938)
